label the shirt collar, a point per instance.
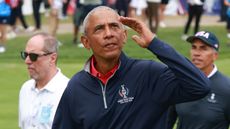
(103, 77)
(50, 86)
(213, 71)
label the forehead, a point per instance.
(199, 42)
(103, 16)
(35, 43)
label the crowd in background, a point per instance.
(150, 11)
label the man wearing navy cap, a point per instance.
(213, 111)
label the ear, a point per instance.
(215, 56)
(53, 58)
(125, 34)
(85, 42)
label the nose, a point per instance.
(196, 52)
(108, 32)
(27, 60)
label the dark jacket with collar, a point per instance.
(135, 97)
(210, 112)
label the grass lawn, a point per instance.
(13, 71)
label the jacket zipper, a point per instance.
(103, 88)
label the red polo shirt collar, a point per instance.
(103, 77)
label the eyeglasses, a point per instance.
(33, 56)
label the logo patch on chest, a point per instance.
(124, 92)
(212, 98)
(45, 115)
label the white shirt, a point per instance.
(138, 5)
(195, 2)
(37, 107)
(57, 4)
(154, 1)
(213, 72)
(91, 2)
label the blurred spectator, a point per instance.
(16, 7)
(223, 9)
(195, 9)
(153, 14)
(36, 4)
(47, 7)
(5, 12)
(64, 9)
(182, 7)
(137, 8)
(82, 9)
(110, 3)
(122, 7)
(55, 12)
(161, 12)
(227, 3)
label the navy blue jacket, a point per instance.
(135, 97)
(211, 112)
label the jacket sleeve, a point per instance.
(172, 117)
(181, 81)
(63, 118)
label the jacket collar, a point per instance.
(123, 60)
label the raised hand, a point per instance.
(145, 35)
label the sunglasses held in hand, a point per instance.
(33, 56)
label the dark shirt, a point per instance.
(211, 112)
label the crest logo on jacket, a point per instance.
(124, 92)
(212, 98)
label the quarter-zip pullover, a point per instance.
(137, 96)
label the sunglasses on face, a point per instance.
(33, 56)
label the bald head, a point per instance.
(100, 11)
(46, 41)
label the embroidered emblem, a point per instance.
(203, 34)
(124, 92)
(45, 115)
(212, 98)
